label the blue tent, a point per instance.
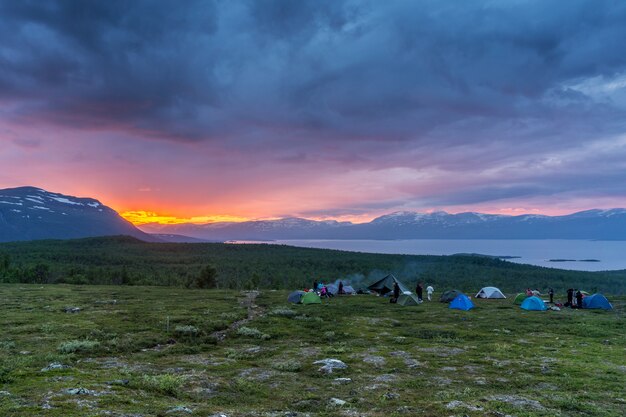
(461, 302)
(534, 303)
(597, 301)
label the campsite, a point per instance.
(146, 351)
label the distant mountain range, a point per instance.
(29, 213)
(591, 224)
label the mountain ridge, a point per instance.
(32, 213)
(599, 224)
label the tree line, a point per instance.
(124, 260)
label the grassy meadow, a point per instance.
(159, 351)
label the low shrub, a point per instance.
(78, 346)
(252, 332)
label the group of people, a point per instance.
(419, 291)
(321, 289)
(574, 298)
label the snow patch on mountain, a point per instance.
(66, 201)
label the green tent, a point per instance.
(311, 298)
(519, 299)
(408, 300)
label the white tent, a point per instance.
(490, 292)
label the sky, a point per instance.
(206, 110)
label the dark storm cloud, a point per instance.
(360, 83)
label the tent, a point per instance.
(597, 301)
(490, 292)
(385, 285)
(519, 299)
(332, 288)
(533, 304)
(448, 296)
(295, 297)
(311, 298)
(409, 299)
(461, 302)
(348, 290)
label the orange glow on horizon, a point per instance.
(140, 217)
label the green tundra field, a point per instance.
(159, 351)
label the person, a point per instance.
(551, 294)
(429, 292)
(340, 291)
(396, 293)
(315, 285)
(570, 298)
(420, 291)
(579, 298)
(529, 292)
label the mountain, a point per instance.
(591, 224)
(29, 213)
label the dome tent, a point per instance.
(597, 301)
(519, 298)
(295, 296)
(347, 289)
(449, 295)
(311, 298)
(490, 292)
(533, 304)
(461, 302)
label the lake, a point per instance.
(608, 254)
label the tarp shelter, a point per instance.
(332, 288)
(311, 298)
(597, 301)
(533, 304)
(295, 296)
(448, 296)
(461, 302)
(385, 285)
(490, 292)
(409, 299)
(519, 299)
(348, 290)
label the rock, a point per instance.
(391, 395)
(79, 391)
(460, 404)
(517, 401)
(119, 382)
(385, 378)
(54, 366)
(5, 394)
(340, 381)
(336, 402)
(374, 360)
(179, 409)
(72, 310)
(330, 365)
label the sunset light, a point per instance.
(146, 217)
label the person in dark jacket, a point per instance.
(396, 293)
(419, 290)
(570, 298)
(579, 299)
(340, 290)
(551, 294)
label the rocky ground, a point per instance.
(147, 351)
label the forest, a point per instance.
(122, 260)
